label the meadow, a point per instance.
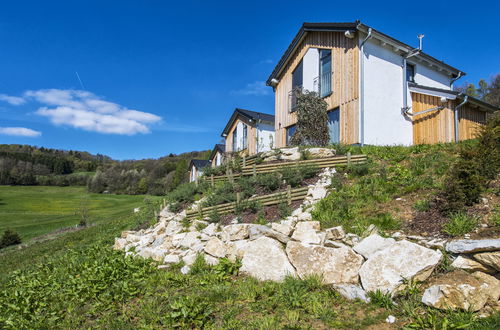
(33, 211)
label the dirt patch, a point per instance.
(270, 213)
(426, 223)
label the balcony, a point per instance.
(323, 84)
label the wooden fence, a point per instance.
(287, 196)
(255, 169)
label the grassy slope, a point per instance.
(36, 210)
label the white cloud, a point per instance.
(255, 88)
(87, 111)
(265, 61)
(19, 131)
(13, 100)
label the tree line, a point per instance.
(487, 91)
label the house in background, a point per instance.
(249, 132)
(196, 167)
(218, 155)
(379, 90)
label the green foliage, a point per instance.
(226, 268)
(284, 210)
(248, 205)
(184, 193)
(189, 312)
(270, 182)
(381, 299)
(422, 205)
(214, 216)
(385, 221)
(9, 237)
(295, 175)
(312, 120)
(460, 223)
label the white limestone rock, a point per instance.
(236, 249)
(490, 259)
(470, 265)
(236, 232)
(173, 227)
(190, 239)
(185, 270)
(120, 243)
(386, 269)
(335, 233)
(290, 153)
(210, 260)
(321, 152)
(151, 253)
(335, 265)
(257, 231)
(265, 259)
(171, 259)
(351, 292)
(216, 248)
(177, 239)
(285, 229)
(210, 230)
(372, 244)
(190, 258)
(307, 232)
(470, 246)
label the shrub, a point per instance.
(459, 224)
(184, 193)
(10, 237)
(214, 216)
(270, 182)
(422, 205)
(247, 205)
(284, 210)
(381, 299)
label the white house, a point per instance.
(196, 167)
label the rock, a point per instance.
(456, 290)
(165, 213)
(290, 153)
(257, 231)
(146, 240)
(351, 239)
(371, 230)
(335, 265)
(236, 232)
(285, 229)
(198, 224)
(159, 229)
(158, 240)
(386, 269)
(351, 292)
(236, 249)
(321, 152)
(120, 244)
(173, 227)
(390, 319)
(167, 244)
(209, 260)
(190, 239)
(190, 258)
(163, 266)
(317, 192)
(171, 259)
(490, 259)
(150, 253)
(306, 232)
(177, 239)
(185, 270)
(265, 259)
(335, 233)
(470, 265)
(470, 246)
(216, 247)
(334, 244)
(125, 233)
(210, 230)
(493, 286)
(373, 244)
(131, 238)
(304, 216)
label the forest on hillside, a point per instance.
(30, 165)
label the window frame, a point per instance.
(413, 71)
(287, 136)
(320, 62)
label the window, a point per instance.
(235, 141)
(297, 76)
(325, 72)
(245, 136)
(410, 72)
(290, 131)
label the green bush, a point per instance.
(270, 182)
(459, 224)
(10, 237)
(184, 193)
(284, 210)
(422, 205)
(190, 312)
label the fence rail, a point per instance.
(287, 196)
(255, 169)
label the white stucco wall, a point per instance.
(310, 67)
(430, 77)
(239, 136)
(383, 97)
(265, 137)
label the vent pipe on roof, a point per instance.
(420, 37)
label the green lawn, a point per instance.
(36, 210)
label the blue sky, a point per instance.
(164, 76)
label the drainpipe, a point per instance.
(460, 75)
(412, 53)
(456, 116)
(362, 88)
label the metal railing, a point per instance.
(323, 84)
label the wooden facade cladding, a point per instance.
(345, 84)
(251, 137)
(439, 126)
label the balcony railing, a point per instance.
(323, 84)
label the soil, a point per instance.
(271, 214)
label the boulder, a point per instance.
(177, 239)
(386, 269)
(150, 253)
(265, 259)
(257, 231)
(171, 259)
(490, 259)
(210, 260)
(351, 292)
(285, 229)
(236, 232)
(167, 243)
(470, 246)
(307, 232)
(335, 265)
(185, 270)
(216, 248)
(351, 239)
(190, 258)
(493, 286)
(290, 153)
(321, 152)
(173, 227)
(120, 244)
(165, 213)
(335, 233)
(456, 290)
(470, 265)
(190, 239)
(304, 216)
(158, 240)
(236, 249)
(131, 238)
(210, 230)
(372, 244)
(317, 192)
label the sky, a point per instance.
(142, 79)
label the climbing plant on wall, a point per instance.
(312, 120)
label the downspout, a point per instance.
(412, 53)
(460, 75)
(466, 97)
(362, 89)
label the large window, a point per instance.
(410, 72)
(297, 80)
(290, 131)
(325, 72)
(235, 141)
(245, 136)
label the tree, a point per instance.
(493, 95)
(488, 92)
(180, 174)
(9, 238)
(312, 120)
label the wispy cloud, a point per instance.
(265, 61)
(255, 88)
(19, 131)
(13, 100)
(185, 128)
(87, 111)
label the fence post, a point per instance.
(238, 197)
(289, 194)
(230, 175)
(348, 158)
(254, 169)
(200, 211)
(244, 161)
(212, 180)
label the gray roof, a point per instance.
(217, 147)
(249, 114)
(199, 163)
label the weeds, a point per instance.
(460, 223)
(9, 237)
(422, 205)
(381, 299)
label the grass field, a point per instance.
(37, 210)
